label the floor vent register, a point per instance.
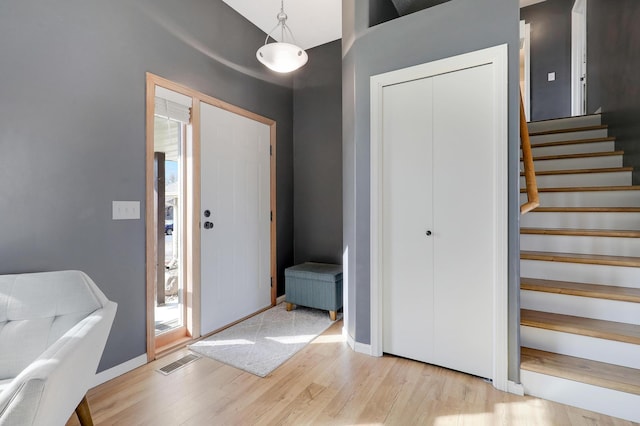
(175, 365)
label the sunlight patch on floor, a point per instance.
(518, 412)
(292, 340)
(523, 412)
(231, 342)
(465, 419)
(329, 338)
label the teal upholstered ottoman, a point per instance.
(315, 285)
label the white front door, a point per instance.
(235, 217)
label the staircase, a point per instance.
(580, 271)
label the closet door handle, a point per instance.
(428, 233)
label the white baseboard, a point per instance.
(362, 348)
(119, 370)
(515, 388)
(281, 299)
(349, 339)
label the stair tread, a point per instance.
(579, 155)
(582, 171)
(609, 330)
(569, 130)
(587, 188)
(566, 117)
(595, 373)
(572, 142)
(595, 259)
(582, 232)
(599, 291)
(586, 210)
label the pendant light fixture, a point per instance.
(281, 56)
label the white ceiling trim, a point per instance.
(313, 22)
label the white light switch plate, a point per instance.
(551, 76)
(126, 210)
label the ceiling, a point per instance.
(525, 3)
(313, 22)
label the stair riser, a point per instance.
(565, 123)
(577, 163)
(584, 244)
(571, 136)
(622, 276)
(581, 179)
(630, 221)
(581, 395)
(586, 307)
(579, 148)
(609, 351)
(588, 199)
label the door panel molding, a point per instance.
(496, 57)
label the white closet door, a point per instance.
(437, 177)
(235, 252)
(464, 214)
(407, 197)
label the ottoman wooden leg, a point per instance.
(83, 413)
(289, 306)
(333, 315)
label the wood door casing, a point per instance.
(192, 209)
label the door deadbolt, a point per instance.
(207, 213)
(428, 233)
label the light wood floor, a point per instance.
(325, 383)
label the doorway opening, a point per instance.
(525, 67)
(169, 142)
(579, 58)
(180, 133)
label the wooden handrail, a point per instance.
(533, 200)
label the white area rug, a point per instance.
(262, 343)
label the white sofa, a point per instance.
(53, 329)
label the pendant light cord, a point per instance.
(282, 22)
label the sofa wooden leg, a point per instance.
(289, 306)
(333, 315)
(83, 413)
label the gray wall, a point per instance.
(452, 28)
(613, 52)
(72, 131)
(317, 156)
(613, 60)
(381, 11)
(406, 7)
(550, 52)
